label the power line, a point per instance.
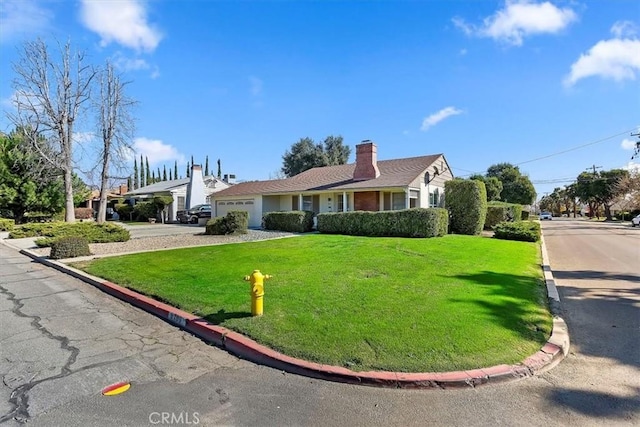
(575, 148)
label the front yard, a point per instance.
(411, 305)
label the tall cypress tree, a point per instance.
(129, 183)
(153, 176)
(159, 175)
(164, 173)
(136, 177)
(149, 181)
(192, 161)
(188, 170)
(170, 175)
(175, 170)
(142, 174)
(219, 170)
(206, 166)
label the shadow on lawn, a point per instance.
(513, 310)
(221, 316)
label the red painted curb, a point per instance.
(547, 357)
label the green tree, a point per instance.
(148, 175)
(136, 177)
(164, 173)
(336, 152)
(516, 188)
(607, 188)
(492, 184)
(219, 170)
(188, 170)
(81, 192)
(175, 170)
(26, 183)
(206, 166)
(585, 192)
(142, 173)
(306, 154)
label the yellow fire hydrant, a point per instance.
(257, 291)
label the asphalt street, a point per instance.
(62, 341)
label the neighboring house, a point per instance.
(186, 192)
(112, 193)
(368, 185)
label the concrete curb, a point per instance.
(546, 358)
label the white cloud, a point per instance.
(632, 167)
(519, 19)
(628, 144)
(623, 29)
(121, 62)
(83, 137)
(439, 116)
(616, 59)
(256, 86)
(156, 150)
(19, 17)
(123, 22)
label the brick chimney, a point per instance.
(366, 161)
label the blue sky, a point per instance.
(552, 86)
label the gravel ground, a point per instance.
(146, 244)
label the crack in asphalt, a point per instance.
(19, 398)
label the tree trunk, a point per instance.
(70, 213)
(104, 178)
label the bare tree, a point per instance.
(116, 128)
(49, 97)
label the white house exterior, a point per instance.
(368, 184)
(186, 192)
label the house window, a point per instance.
(398, 201)
(413, 198)
(180, 203)
(434, 198)
(311, 203)
(341, 203)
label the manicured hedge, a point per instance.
(466, 201)
(501, 211)
(294, 221)
(235, 222)
(6, 224)
(50, 231)
(416, 222)
(525, 231)
(69, 247)
(142, 211)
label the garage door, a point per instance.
(224, 207)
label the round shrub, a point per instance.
(466, 201)
(69, 247)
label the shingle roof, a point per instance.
(158, 187)
(393, 173)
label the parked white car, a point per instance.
(545, 215)
(635, 221)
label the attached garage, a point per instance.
(247, 205)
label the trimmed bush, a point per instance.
(524, 231)
(235, 222)
(466, 201)
(6, 224)
(416, 222)
(124, 210)
(525, 215)
(69, 247)
(498, 212)
(83, 213)
(50, 231)
(294, 221)
(144, 210)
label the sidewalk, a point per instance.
(556, 348)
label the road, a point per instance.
(62, 341)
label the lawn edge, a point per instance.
(552, 352)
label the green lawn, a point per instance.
(412, 305)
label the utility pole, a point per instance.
(594, 167)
